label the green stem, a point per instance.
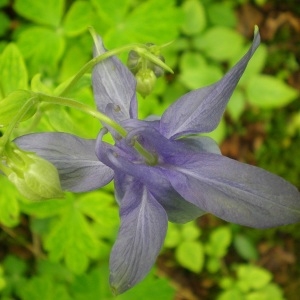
(139, 48)
(149, 158)
(18, 117)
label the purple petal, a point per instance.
(127, 167)
(200, 144)
(78, 166)
(114, 87)
(234, 191)
(201, 110)
(141, 236)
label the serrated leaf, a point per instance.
(13, 72)
(269, 92)
(9, 207)
(220, 43)
(190, 255)
(100, 207)
(42, 12)
(194, 17)
(45, 209)
(78, 18)
(72, 238)
(42, 47)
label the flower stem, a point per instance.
(142, 49)
(18, 117)
(105, 120)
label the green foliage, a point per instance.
(43, 45)
(269, 92)
(13, 72)
(251, 283)
(189, 251)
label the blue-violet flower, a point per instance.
(189, 178)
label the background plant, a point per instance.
(60, 248)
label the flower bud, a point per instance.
(34, 177)
(145, 82)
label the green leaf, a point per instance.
(253, 277)
(160, 289)
(230, 294)
(219, 241)
(111, 12)
(45, 288)
(42, 47)
(78, 18)
(10, 105)
(4, 23)
(219, 133)
(73, 239)
(9, 207)
(245, 247)
(100, 207)
(255, 65)
(92, 285)
(220, 43)
(14, 269)
(269, 92)
(194, 17)
(13, 72)
(213, 264)
(42, 12)
(236, 105)
(196, 72)
(222, 14)
(37, 85)
(155, 21)
(190, 255)
(4, 3)
(45, 209)
(190, 231)
(173, 236)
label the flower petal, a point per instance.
(141, 236)
(114, 87)
(201, 110)
(127, 168)
(78, 166)
(234, 191)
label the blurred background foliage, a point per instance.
(59, 249)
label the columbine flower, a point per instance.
(187, 178)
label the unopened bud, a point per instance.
(145, 82)
(34, 177)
